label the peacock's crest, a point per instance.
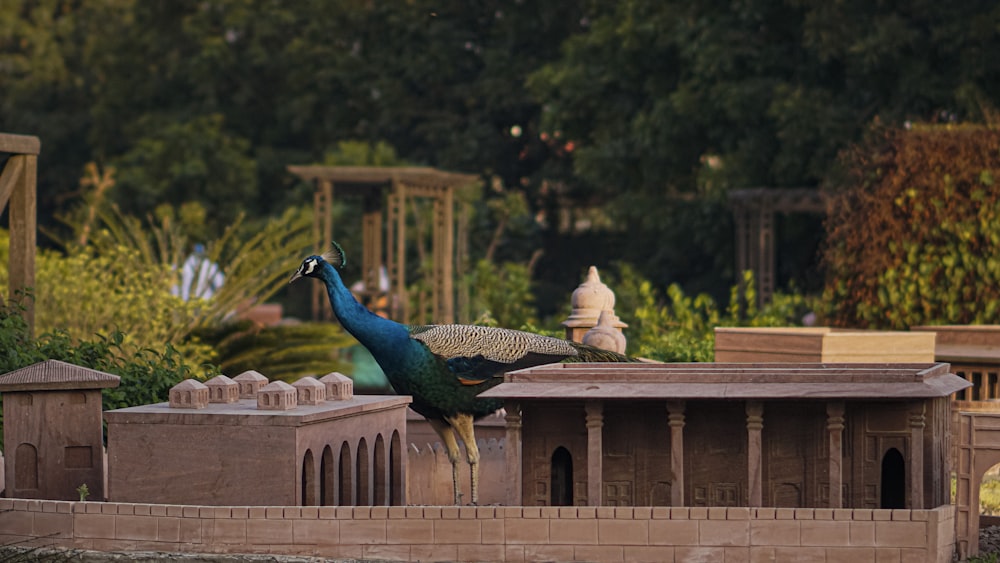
(335, 256)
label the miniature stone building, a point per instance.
(780, 435)
(222, 389)
(52, 431)
(339, 452)
(249, 382)
(974, 354)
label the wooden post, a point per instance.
(18, 188)
(512, 453)
(322, 235)
(755, 424)
(595, 452)
(835, 452)
(676, 417)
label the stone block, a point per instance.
(775, 533)
(673, 532)
(363, 532)
(471, 552)
(649, 553)
(850, 555)
(135, 528)
(900, 534)
(623, 532)
(573, 531)
(827, 533)
(457, 531)
(410, 531)
(698, 554)
(523, 531)
(608, 553)
(724, 533)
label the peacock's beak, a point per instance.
(295, 276)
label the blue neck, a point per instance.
(382, 337)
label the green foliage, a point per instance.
(146, 375)
(914, 234)
(86, 293)
(285, 352)
(680, 328)
(501, 294)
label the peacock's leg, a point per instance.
(463, 424)
(444, 430)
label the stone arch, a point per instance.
(25, 467)
(396, 470)
(327, 478)
(346, 490)
(363, 474)
(381, 491)
(561, 482)
(892, 481)
(308, 479)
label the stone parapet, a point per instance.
(489, 533)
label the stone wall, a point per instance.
(428, 473)
(491, 533)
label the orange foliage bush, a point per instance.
(913, 235)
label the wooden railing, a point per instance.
(17, 188)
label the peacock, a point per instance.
(443, 367)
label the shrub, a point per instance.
(914, 230)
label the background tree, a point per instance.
(914, 234)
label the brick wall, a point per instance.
(428, 533)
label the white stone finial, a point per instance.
(606, 335)
(589, 299)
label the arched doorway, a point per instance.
(893, 482)
(381, 497)
(363, 473)
(327, 480)
(308, 480)
(346, 489)
(396, 470)
(561, 482)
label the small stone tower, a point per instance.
(52, 431)
(590, 300)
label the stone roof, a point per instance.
(53, 375)
(729, 381)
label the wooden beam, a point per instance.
(10, 175)
(20, 144)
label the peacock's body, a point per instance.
(443, 367)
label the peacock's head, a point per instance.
(311, 266)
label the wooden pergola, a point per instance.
(18, 173)
(385, 193)
(754, 210)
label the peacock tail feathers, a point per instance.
(501, 345)
(587, 353)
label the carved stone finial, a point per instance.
(222, 389)
(589, 299)
(250, 382)
(277, 396)
(606, 335)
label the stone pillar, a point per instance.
(512, 453)
(588, 300)
(916, 461)
(835, 452)
(755, 423)
(595, 452)
(675, 410)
